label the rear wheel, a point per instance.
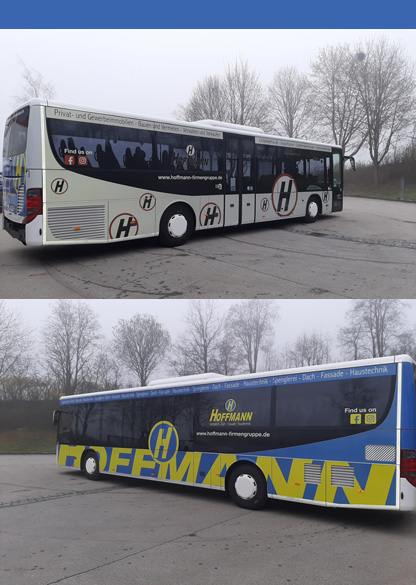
(247, 487)
(176, 226)
(312, 209)
(90, 465)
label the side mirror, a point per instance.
(352, 161)
(56, 416)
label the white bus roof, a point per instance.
(212, 125)
(219, 378)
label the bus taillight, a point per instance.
(408, 465)
(33, 204)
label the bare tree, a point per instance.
(105, 372)
(70, 338)
(405, 343)
(336, 99)
(15, 345)
(272, 359)
(237, 97)
(207, 101)
(228, 359)
(195, 351)
(34, 86)
(252, 323)
(246, 103)
(141, 343)
(290, 111)
(375, 328)
(350, 339)
(308, 350)
(385, 80)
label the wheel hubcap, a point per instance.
(246, 486)
(90, 465)
(177, 225)
(313, 209)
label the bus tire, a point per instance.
(90, 465)
(247, 487)
(176, 225)
(312, 209)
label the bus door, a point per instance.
(335, 180)
(64, 427)
(239, 193)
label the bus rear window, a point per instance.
(15, 135)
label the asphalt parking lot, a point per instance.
(58, 527)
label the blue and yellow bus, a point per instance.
(343, 434)
(77, 175)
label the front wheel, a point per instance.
(176, 226)
(247, 487)
(312, 210)
(91, 467)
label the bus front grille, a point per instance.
(81, 223)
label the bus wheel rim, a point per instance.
(313, 209)
(90, 465)
(245, 487)
(177, 225)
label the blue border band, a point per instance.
(284, 380)
(215, 14)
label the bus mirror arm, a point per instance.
(352, 161)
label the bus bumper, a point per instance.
(407, 495)
(29, 234)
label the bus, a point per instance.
(338, 435)
(78, 175)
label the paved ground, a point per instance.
(57, 527)
(367, 251)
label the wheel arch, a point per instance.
(181, 203)
(178, 208)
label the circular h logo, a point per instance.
(163, 441)
(230, 405)
(284, 195)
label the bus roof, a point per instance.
(198, 380)
(212, 125)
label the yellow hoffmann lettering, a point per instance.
(141, 463)
(102, 453)
(162, 443)
(182, 473)
(63, 453)
(295, 486)
(217, 416)
(115, 460)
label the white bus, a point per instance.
(341, 435)
(77, 175)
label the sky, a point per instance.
(150, 72)
(294, 317)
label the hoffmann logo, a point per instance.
(230, 415)
(284, 195)
(210, 215)
(124, 226)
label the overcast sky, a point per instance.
(151, 72)
(294, 317)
